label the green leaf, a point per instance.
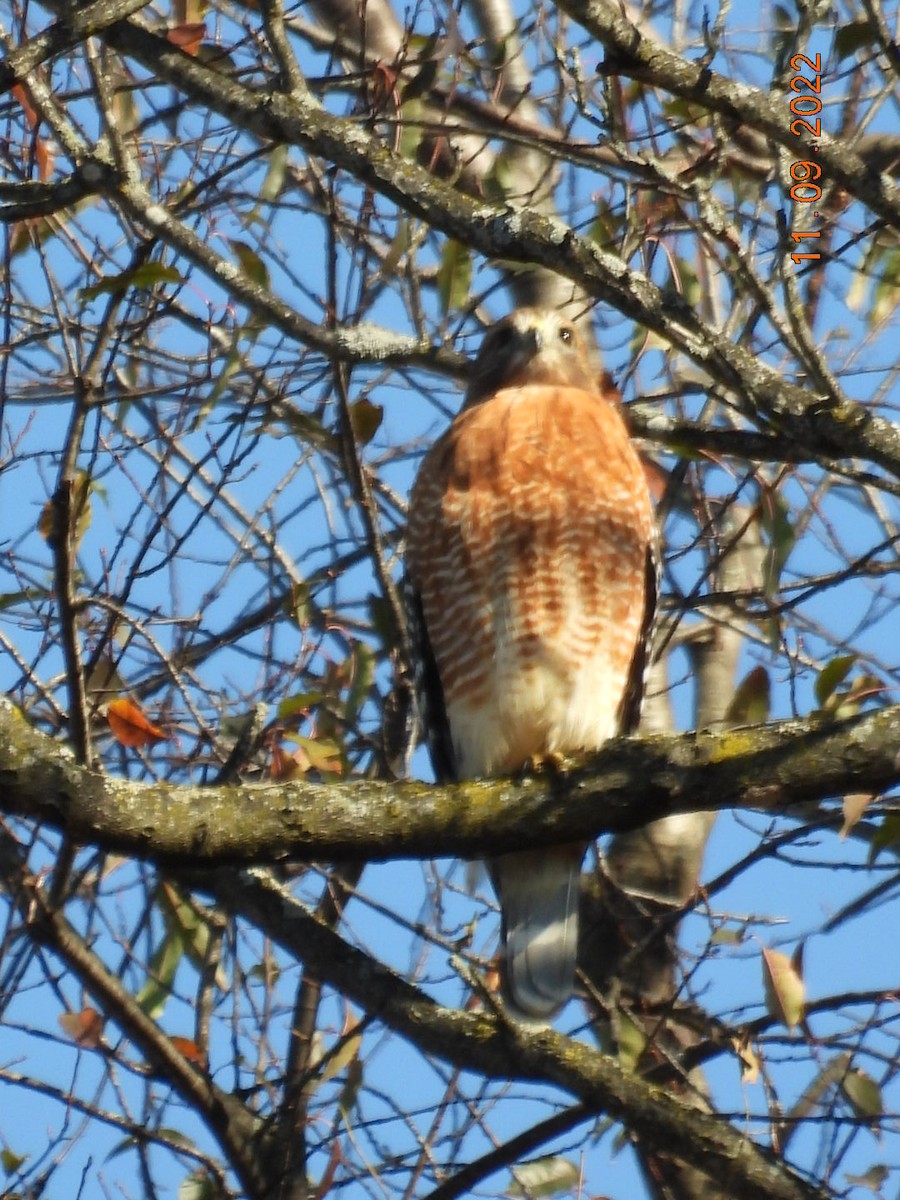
(423, 81)
(350, 1090)
(887, 837)
(724, 936)
(775, 521)
(345, 1054)
(310, 430)
(164, 963)
(399, 246)
(886, 295)
(864, 1095)
(832, 676)
(872, 1180)
(300, 702)
(454, 276)
(271, 186)
(145, 276)
(750, 702)
(362, 674)
(298, 604)
(251, 264)
(500, 179)
(412, 129)
(852, 37)
(183, 920)
(324, 754)
(11, 1162)
(544, 1177)
(27, 595)
(199, 1186)
(365, 420)
(631, 1042)
(173, 1136)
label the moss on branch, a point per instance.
(631, 782)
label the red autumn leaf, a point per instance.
(85, 1027)
(285, 767)
(188, 1049)
(187, 37)
(43, 153)
(130, 726)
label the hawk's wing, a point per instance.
(633, 697)
(432, 720)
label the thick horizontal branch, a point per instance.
(631, 782)
(834, 426)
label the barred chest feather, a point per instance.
(529, 528)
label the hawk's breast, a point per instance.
(529, 529)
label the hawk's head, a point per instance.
(531, 346)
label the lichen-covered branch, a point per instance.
(626, 785)
(497, 1047)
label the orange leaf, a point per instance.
(188, 1049)
(85, 1027)
(130, 726)
(42, 152)
(187, 37)
(22, 96)
(286, 767)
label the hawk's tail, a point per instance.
(539, 893)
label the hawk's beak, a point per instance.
(531, 343)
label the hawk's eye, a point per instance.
(566, 334)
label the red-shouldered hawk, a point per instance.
(531, 586)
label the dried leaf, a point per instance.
(785, 993)
(130, 726)
(43, 151)
(187, 37)
(85, 1028)
(657, 478)
(80, 502)
(854, 806)
(748, 1060)
(284, 767)
(323, 754)
(188, 1049)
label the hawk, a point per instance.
(531, 585)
